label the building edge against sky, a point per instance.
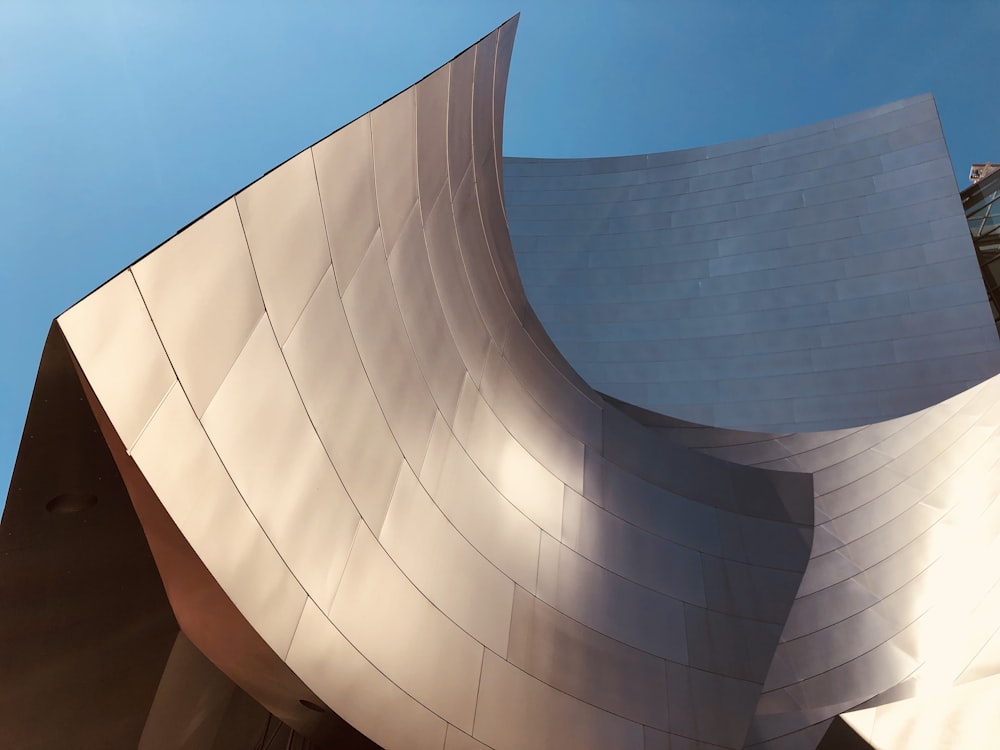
(320, 438)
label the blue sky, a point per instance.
(121, 121)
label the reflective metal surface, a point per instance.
(810, 279)
(382, 503)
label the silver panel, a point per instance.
(334, 387)
(820, 231)
(111, 327)
(520, 478)
(204, 304)
(382, 614)
(611, 604)
(424, 319)
(580, 661)
(503, 534)
(452, 286)
(518, 712)
(217, 522)
(385, 350)
(449, 571)
(283, 220)
(360, 692)
(432, 137)
(345, 172)
(259, 427)
(394, 142)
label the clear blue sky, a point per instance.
(122, 120)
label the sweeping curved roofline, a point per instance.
(320, 438)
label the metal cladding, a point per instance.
(382, 504)
(812, 279)
(900, 599)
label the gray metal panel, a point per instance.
(283, 219)
(586, 664)
(452, 286)
(822, 232)
(442, 563)
(324, 362)
(262, 433)
(394, 144)
(204, 304)
(360, 692)
(432, 137)
(424, 319)
(345, 172)
(380, 612)
(243, 559)
(108, 328)
(517, 712)
(385, 351)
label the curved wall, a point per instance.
(811, 279)
(329, 392)
(371, 483)
(900, 600)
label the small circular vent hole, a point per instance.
(71, 502)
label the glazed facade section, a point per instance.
(382, 504)
(812, 279)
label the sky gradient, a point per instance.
(123, 121)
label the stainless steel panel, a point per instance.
(283, 220)
(362, 695)
(112, 328)
(610, 604)
(456, 739)
(733, 646)
(482, 100)
(445, 567)
(529, 423)
(201, 292)
(586, 664)
(382, 614)
(722, 707)
(493, 304)
(572, 406)
(323, 360)
(394, 144)
(423, 317)
(452, 285)
(345, 171)
(388, 357)
(965, 717)
(432, 137)
(463, 71)
(504, 535)
(630, 551)
(660, 512)
(517, 711)
(175, 454)
(525, 482)
(812, 209)
(262, 433)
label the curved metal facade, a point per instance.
(812, 279)
(382, 503)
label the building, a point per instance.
(314, 471)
